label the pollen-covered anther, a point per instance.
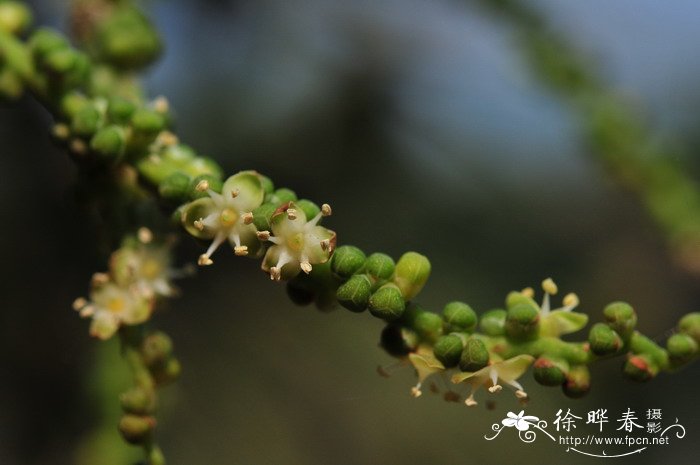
(234, 193)
(202, 186)
(416, 392)
(61, 131)
(520, 394)
(145, 235)
(247, 218)
(470, 402)
(204, 260)
(99, 279)
(275, 273)
(495, 388)
(78, 147)
(570, 300)
(161, 104)
(549, 286)
(326, 210)
(306, 267)
(79, 303)
(199, 224)
(167, 139)
(263, 235)
(291, 214)
(528, 292)
(325, 244)
(241, 250)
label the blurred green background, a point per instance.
(423, 127)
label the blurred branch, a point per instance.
(616, 134)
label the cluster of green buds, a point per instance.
(15, 18)
(499, 347)
(139, 274)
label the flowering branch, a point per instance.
(107, 126)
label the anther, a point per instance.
(234, 193)
(263, 235)
(326, 210)
(325, 244)
(247, 218)
(145, 235)
(495, 388)
(204, 260)
(240, 250)
(199, 224)
(291, 214)
(99, 279)
(549, 286)
(202, 186)
(528, 292)
(306, 267)
(79, 303)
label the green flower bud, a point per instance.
(86, 121)
(474, 356)
(108, 142)
(281, 196)
(380, 266)
(458, 317)
(522, 322)
(578, 382)
(147, 121)
(493, 322)
(604, 340)
(200, 186)
(690, 325)
(267, 184)
(137, 401)
(301, 290)
(639, 368)
(175, 187)
(428, 325)
(127, 39)
(61, 60)
(387, 303)
(550, 371)
(156, 348)
(167, 373)
(45, 41)
(681, 348)
(262, 215)
(136, 429)
(448, 349)
(15, 17)
(412, 271)
(398, 341)
(354, 294)
(346, 261)
(516, 298)
(72, 102)
(309, 208)
(11, 85)
(640, 344)
(120, 110)
(621, 317)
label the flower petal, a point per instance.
(195, 211)
(104, 325)
(560, 322)
(425, 364)
(248, 189)
(513, 368)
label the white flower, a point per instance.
(226, 216)
(520, 421)
(506, 371)
(297, 243)
(143, 266)
(111, 305)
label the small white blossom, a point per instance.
(505, 371)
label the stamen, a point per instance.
(415, 391)
(291, 214)
(470, 402)
(204, 260)
(79, 303)
(78, 147)
(528, 292)
(325, 244)
(549, 286)
(199, 224)
(570, 301)
(263, 235)
(520, 394)
(241, 250)
(87, 311)
(160, 104)
(61, 131)
(247, 218)
(99, 279)
(145, 235)
(234, 193)
(306, 267)
(326, 210)
(495, 388)
(275, 273)
(202, 186)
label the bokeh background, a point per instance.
(420, 122)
